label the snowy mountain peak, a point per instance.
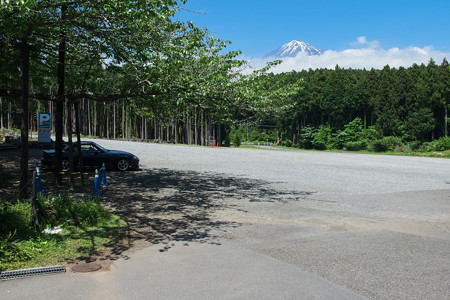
(294, 47)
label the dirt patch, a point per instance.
(10, 171)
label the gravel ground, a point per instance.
(376, 224)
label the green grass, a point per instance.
(21, 246)
(441, 154)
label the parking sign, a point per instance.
(44, 127)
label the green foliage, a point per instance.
(441, 144)
(21, 246)
(173, 72)
(11, 250)
(322, 138)
(361, 106)
(237, 138)
(227, 140)
(15, 218)
(353, 132)
(356, 145)
(256, 135)
(62, 208)
(420, 124)
(307, 137)
(388, 144)
(416, 146)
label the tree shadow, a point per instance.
(164, 206)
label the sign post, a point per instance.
(44, 127)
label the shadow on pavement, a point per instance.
(164, 206)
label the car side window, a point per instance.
(95, 148)
(86, 148)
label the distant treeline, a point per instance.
(410, 104)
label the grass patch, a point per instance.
(21, 246)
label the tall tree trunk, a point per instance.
(145, 130)
(69, 136)
(175, 125)
(60, 102)
(89, 117)
(24, 124)
(114, 120)
(9, 116)
(445, 121)
(202, 134)
(1, 112)
(123, 119)
(77, 129)
(188, 129)
(107, 120)
(195, 128)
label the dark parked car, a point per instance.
(94, 156)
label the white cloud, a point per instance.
(371, 55)
(362, 41)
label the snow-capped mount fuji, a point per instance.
(292, 48)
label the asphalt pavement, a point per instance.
(264, 224)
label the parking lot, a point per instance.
(374, 226)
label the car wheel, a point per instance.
(65, 165)
(123, 164)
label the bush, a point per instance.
(255, 135)
(237, 139)
(22, 247)
(227, 140)
(388, 143)
(15, 218)
(416, 146)
(356, 146)
(61, 208)
(322, 138)
(307, 136)
(287, 143)
(11, 250)
(441, 144)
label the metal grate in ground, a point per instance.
(31, 272)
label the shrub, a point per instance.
(287, 143)
(307, 136)
(237, 138)
(441, 144)
(416, 146)
(15, 218)
(388, 143)
(353, 132)
(11, 250)
(356, 146)
(227, 140)
(61, 208)
(322, 138)
(255, 135)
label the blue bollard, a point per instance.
(38, 180)
(96, 190)
(103, 181)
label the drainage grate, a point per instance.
(31, 272)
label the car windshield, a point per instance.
(101, 148)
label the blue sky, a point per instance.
(257, 27)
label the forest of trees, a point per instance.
(131, 71)
(341, 106)
(409, 103)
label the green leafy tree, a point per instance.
(322, 138)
